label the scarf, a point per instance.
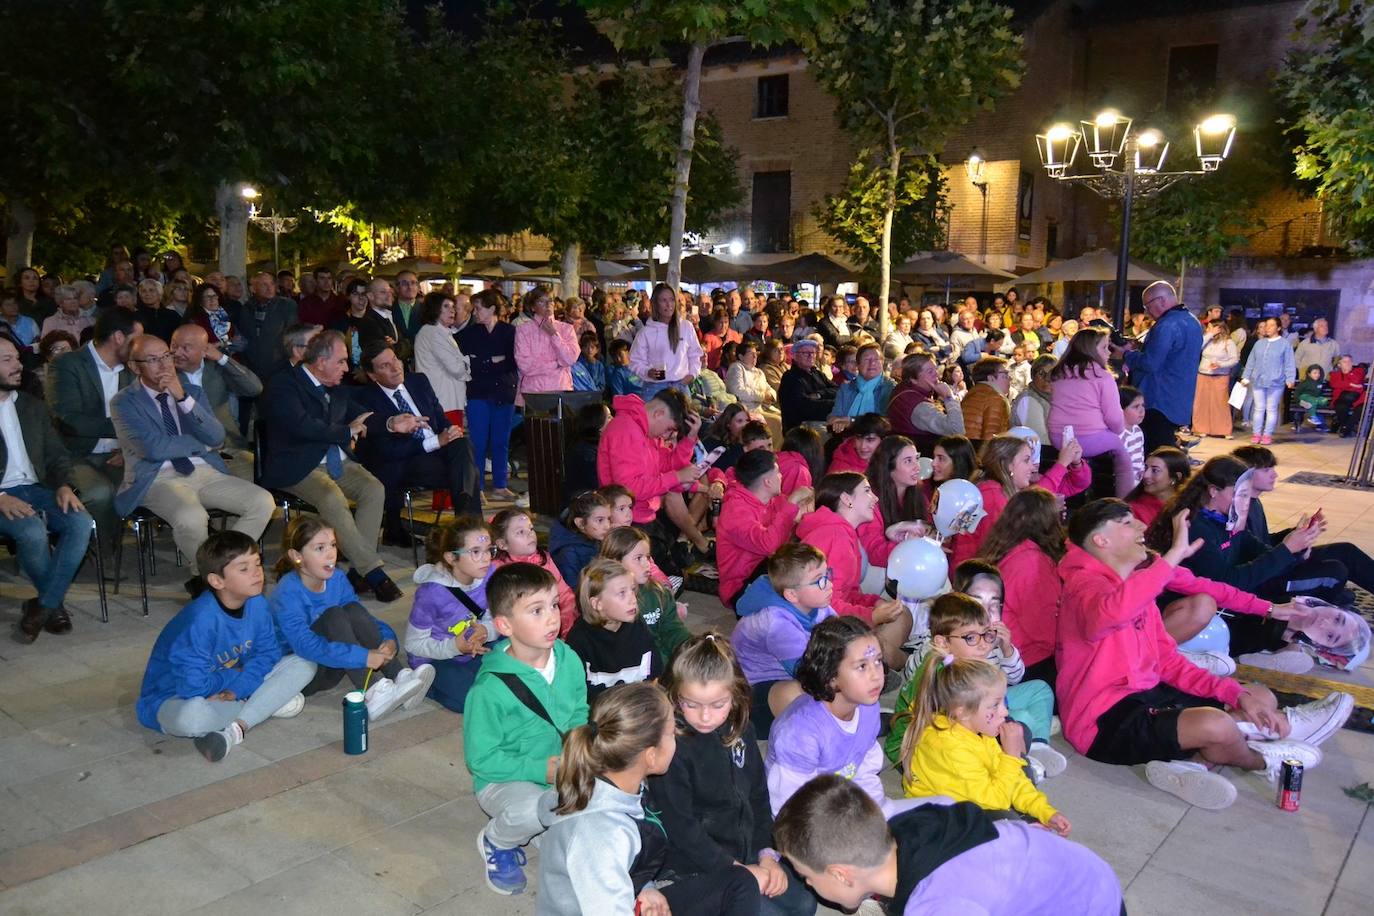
(865, 401)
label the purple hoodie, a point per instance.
(772, 633)
(436, 609)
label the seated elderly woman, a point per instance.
(868, 392)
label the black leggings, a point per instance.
(1323, 575)
(728, 892)
(352, 624)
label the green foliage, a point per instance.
(1328, 79)
(1363, 792)
(659, 24)
(854, 217)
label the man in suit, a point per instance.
(262, 319)
(81, 385)
(172, 467)
(409, 441)
(37, 478)
(308, 431)
(406, 309)
(205, 366)
(381, 324)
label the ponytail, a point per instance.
(945, 686)
(1221, 471)
(626, 721)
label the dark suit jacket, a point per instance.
(412, 324)
(46, 452)
(380, 447)
(77, 401)
(218, 382)
(373, 327)
(264, 353)
(298, 425)
(147, 444)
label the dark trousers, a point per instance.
(728, 892)
(1324, 574)
(448, 468)
(452, 680)
(352, 624)
(663, 543)
(1344, 406)
(1159, 430)
(797, 900)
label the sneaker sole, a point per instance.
(1333, 724)
(1053, 762)
(213, 747)
(1199, 789)
(1287, 662)
(486, 872)
(385, 709)
(425, 678)
(288, 712)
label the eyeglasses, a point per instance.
(972, 639)
(823, 581)
(154, 360)
(476, 552)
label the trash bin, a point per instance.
(548, 431)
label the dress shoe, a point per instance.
(58, 622)
(401, 538)
(360, 585)
(31, 623)
(386, 590)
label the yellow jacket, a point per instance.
(966, 766)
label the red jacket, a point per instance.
(1146, 508)
(1112, 643)
(747, 533)
(1030, 600)
(873, 535)
(645, 466)
(796, 473)
(839, 541)
(846, 458)
(567, 598)
(1348, 381)
(1057, 479)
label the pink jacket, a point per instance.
(873, 535)
(1030, 600)
(646, 467)
(839, 541)
(796, 473)
(1058, 480)
(567, 598)
(847, 458)
(1090, 404)
(1112, 643)
(545, 362)
(747, 533)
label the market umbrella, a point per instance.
(702, 268)
(1094, 267)
(935, 265)
(423, 268)
(495, 268)
(814, 268)
(588, 269)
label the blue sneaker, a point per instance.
(505, 871)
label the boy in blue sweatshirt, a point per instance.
(777, 614)
(512, 745)
(216, 669)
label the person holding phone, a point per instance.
(666, 352)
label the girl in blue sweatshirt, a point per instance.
(318, 617)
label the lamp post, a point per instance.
(976, 167)
(1126, 164)
(277, 225)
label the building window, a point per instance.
(1192, 75)
(772, 97)
(771, 217)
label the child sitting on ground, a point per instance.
(517, 542)
(319, 617)
(216, 670)
(1132, 412)
(529, 692)
(714, 797)
(755, 520)
(449, 626)
(834, 727)
(622, 516)
(611, 638)
(951, 748)
(604, 850)
(936, 859)
(777, 614)
(657, 607)
(575, 538)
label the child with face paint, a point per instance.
(517, 542)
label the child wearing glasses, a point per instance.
(612, 640)
(449, 624)
(777, 614)
(318, 617)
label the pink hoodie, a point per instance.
(1112, 643)
(839, 541)
(747, 533)
(545, 361)
(1089, 403)
(646, 467)
(846, 458)
(796, 473)
(1031, 590)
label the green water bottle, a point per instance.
(354, 723)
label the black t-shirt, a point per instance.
(929, 836)
(610, 657)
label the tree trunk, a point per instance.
(691, 104)
(572, 255)
(18, 238)
(894, 162)
(232, 210)
(1182, 275)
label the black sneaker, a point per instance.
(386, 590)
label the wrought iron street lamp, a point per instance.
(976, 167)
(1126, 165)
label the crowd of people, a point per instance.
(782, 451)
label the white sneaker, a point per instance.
(292, 708)
(1314, 722)
(1053, 761)
(1037, 770)
(424, 675)
(1192, 782)
(382, 697)
(1055, 726)
(1277, 751)
(1288, 661)
(522, 501)
(1211, 662)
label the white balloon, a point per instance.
(1215, 637)
(919, 567)
(958, 507)
(1031, 436)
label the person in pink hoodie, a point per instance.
(1085, 397)
(516, 542)
(1126, 695)
(843, 503)
(755, 520)
(545, 349)
(895, 475)
(861, 440)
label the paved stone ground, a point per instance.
(102, 816)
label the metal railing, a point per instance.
(1361, 469)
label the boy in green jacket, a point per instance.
(529, 692)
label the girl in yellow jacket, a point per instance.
(959, 709)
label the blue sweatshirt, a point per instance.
(589, 375)
(1270, 364)
(205, 649)
(571, 551)
(295, 608)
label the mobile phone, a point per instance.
(712, 456)
(1068, 433)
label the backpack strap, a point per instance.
(466, 601)
(527, 698)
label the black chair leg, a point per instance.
(94, 550)
(144, 544)
(410, 514)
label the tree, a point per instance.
(1328, 79)
(855, 216)
(657, 25)
(907, 73)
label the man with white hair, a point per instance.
(1165, 367)
(1319, 349)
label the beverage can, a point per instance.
(354, 723)
(1289, 793)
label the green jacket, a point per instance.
(49, 458)
(503, 741)
(658, 607)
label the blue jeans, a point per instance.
(452, 680)
(50, 569)
(1032, 704)
(489, 426)
(652, 388)
(1265, 409)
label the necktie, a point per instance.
(404, 406)
(333, 457)
(180, 465)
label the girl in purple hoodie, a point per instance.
(449, 623)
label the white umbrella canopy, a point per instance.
(944, 265)
(1094, 267)
(588, 268)
(423, 268)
